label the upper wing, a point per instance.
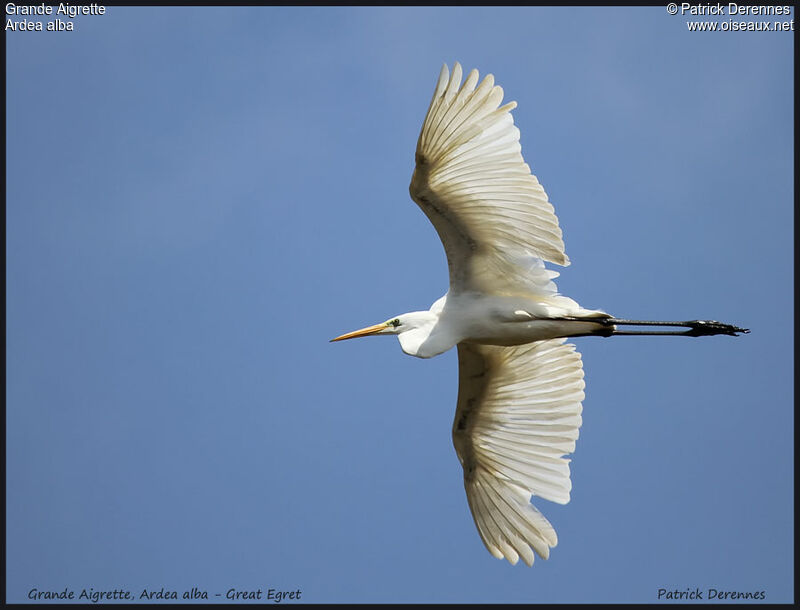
(491, 213)
(519, 410)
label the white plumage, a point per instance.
(471, 181)
(518, 414)
(520, 386)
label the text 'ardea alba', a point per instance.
(520, 386)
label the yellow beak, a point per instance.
(369, 330)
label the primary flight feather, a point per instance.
(520, 385)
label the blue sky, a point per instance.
(198, 199)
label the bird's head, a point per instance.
(392, 326)
(414, 331)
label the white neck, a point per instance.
(426, 338)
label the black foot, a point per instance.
(704, 328)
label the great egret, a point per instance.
(520, 386)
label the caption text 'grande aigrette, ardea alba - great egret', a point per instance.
(520, 385)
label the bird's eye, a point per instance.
(395, 322)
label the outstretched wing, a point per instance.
(519, 411)
(491, 213)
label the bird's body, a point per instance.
(520, 385)
(501, 320)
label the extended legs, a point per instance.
(696, 328)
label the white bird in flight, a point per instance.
(520, 385)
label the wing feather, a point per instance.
(471, 181)
(518, 415)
